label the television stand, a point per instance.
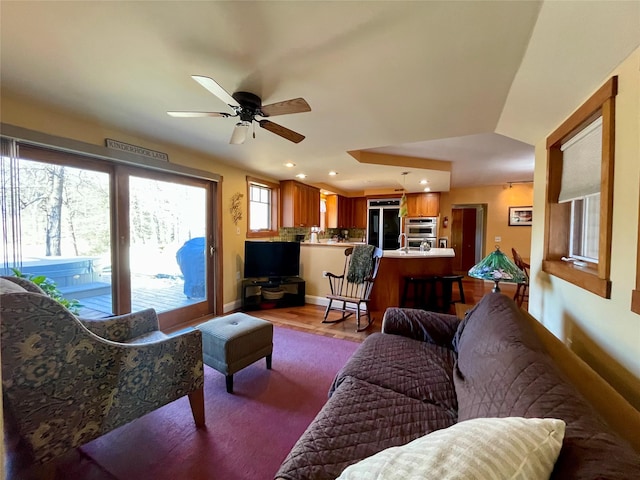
(253, 297)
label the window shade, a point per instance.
(581, 163)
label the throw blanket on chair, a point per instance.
(361, 263)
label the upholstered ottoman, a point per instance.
(236, 341)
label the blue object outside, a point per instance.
(190, 258)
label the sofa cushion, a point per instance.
(503, 370)
(420, 370)
(359, 420)
(432, 327)
(504, 448)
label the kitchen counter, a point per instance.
(412, 254)
(330, 244)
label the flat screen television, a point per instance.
(271, 259)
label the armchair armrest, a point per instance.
(28, 285)
(122, 328)
(431, 327)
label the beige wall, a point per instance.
(498, 199)
(604, 332)
(42, 118)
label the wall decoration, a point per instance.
(520, 216)
(236, 207)
(127, 147)
(442, 242)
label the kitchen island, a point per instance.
(397, 264)
(316, 258)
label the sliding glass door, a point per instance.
(167, 250)
(62, 221)
(112, 239)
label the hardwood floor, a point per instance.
(308, 318)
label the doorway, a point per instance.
(467, 235)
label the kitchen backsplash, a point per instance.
(288, 234)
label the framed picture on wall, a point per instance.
(442, 242)
(520, 216)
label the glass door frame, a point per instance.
(122, 277)
(119, 205)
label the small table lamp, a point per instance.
(497, 267)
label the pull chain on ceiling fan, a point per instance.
(247, 106)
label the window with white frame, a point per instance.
(585, 228)
(580, 186)
(259, 207)
(262, 207)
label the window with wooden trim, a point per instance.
(262, 200)
(580, 165)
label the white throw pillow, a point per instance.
(478, 449)
(7, 286)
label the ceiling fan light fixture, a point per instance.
(240, 133)
(247, 106)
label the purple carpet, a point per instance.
(248, 434)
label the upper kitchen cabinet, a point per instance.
(423, 204)
(346, 212)
(300, 204)
(359, 212)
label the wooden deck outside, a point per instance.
(162, 294)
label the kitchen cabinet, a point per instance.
(423, 204)
(338, 211)
(300, 204)
(359, 212)
(346, 212)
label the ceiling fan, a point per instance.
(247, 106)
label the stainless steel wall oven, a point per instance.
(421, 229)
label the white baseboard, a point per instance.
(231, 306)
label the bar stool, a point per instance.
(420, 299)
(447, 291)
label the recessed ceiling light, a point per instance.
(332, 173)
(289, 165)
(424, 182)
(301, 175)
(427, 189)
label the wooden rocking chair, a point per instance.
(353, 288)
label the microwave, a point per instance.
(421, 227)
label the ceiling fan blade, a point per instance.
(295, 105)
(284, 132)
(211, 85)
(198, 114)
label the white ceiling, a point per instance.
(475, 83)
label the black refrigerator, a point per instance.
(383, 223)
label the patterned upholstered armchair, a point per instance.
(67, 380)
